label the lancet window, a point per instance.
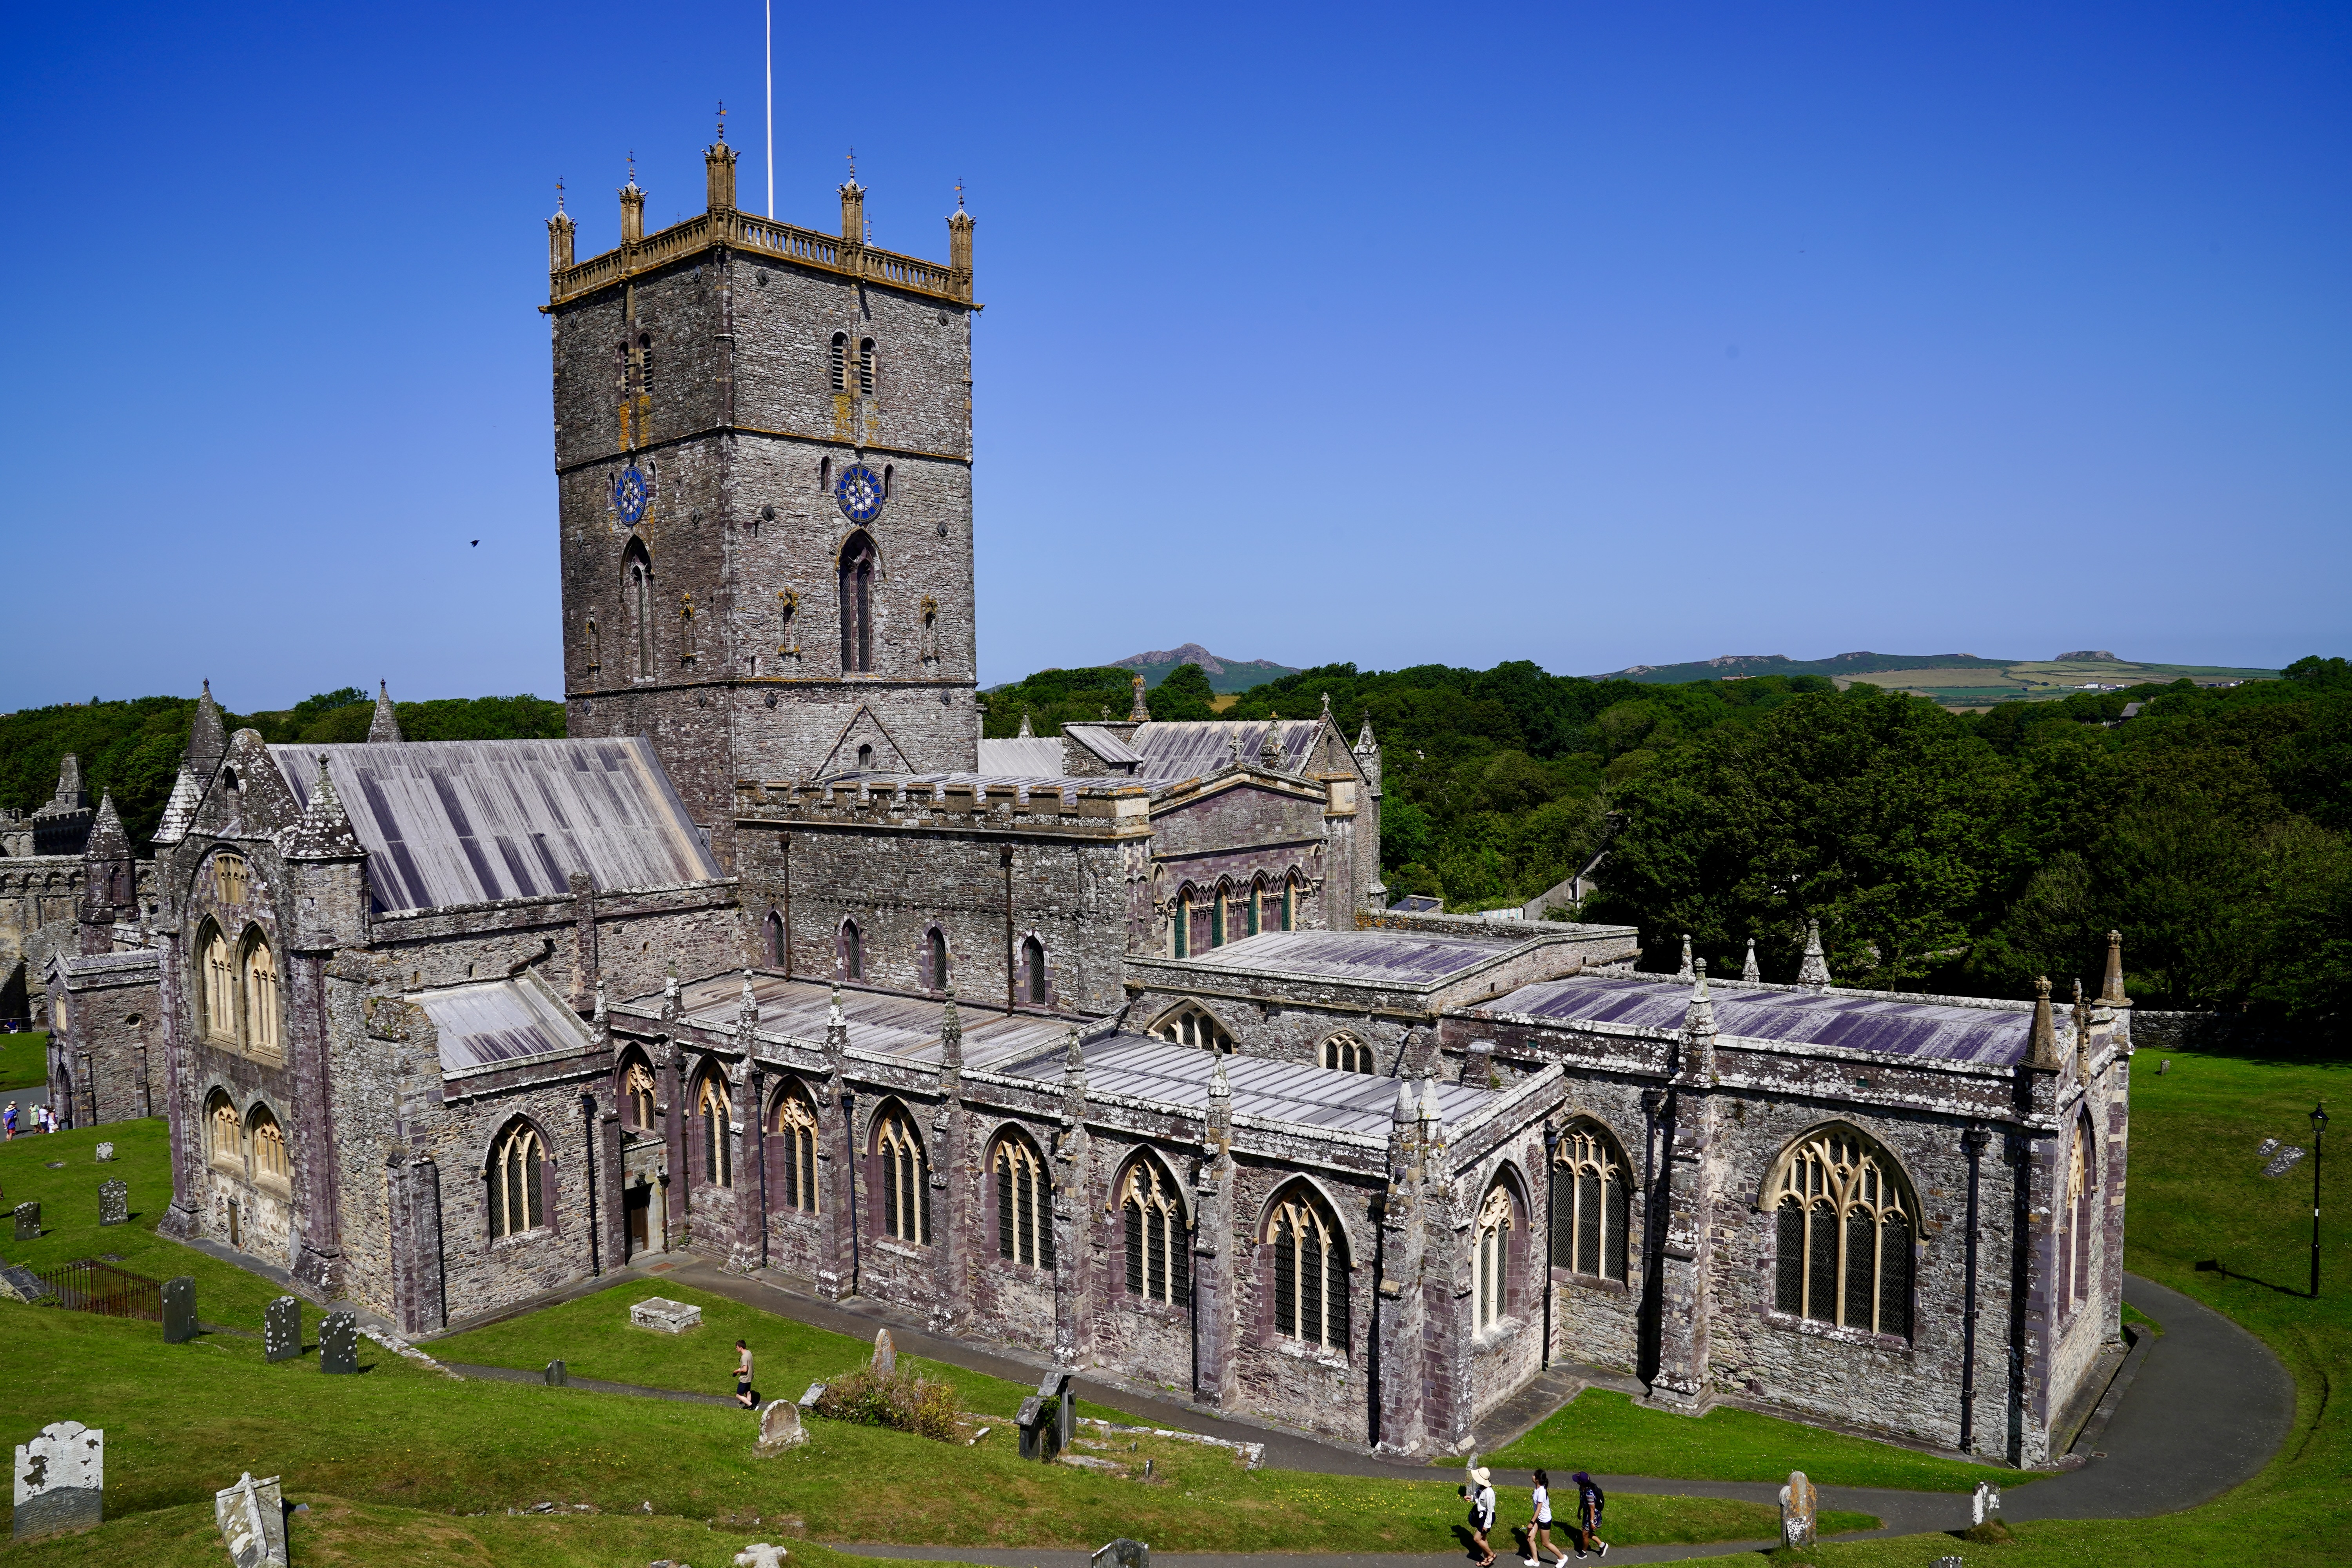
(1310, 1272)
(1591, 1203)
(1158, 1248)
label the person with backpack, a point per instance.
(1590, 1502)
(1481, 1493)
(1540, 1539)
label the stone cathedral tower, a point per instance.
(763, 458)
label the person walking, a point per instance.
(743, 1375)
(11, 1119)
(1590, 1501)
(1540, 1539)
(1481, 1493)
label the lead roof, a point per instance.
(1991, 1037)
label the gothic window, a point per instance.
(711, 1121)
(865, 366)
(1347, 1053)
(1311, 1272)
(638, 1094)
(853, 951)
(270, 1165)
(1033, 966)
(937, 952)
(2074, 1241)
(1024, 1203)
(1591, 1201)
(825, 473)
(906, 1185)
(1843, 1235)
(518, 1201)
(686, 627)
(1191, 1024)
(263, 1028)
(217, 986)
(638, 583)
(226, 1139)
(1290, 904)
(1158, 1249)
(795, 1125)
(228, 877)
(1217, 918)
(839, 361)
(773, 929)
(595, 646)
(1490, 1285)
(1180, 932)
(1253, 908)
(857, 605)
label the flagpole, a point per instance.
(771, 9)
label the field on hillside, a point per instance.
(1978, 686)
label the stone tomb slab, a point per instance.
(105, 1152)
(114, 1201)
(281, 1331)
(60, 1481)
(665, 1316)
(180, 1309)
(339, 1343)
(252, 1519)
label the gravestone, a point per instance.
(780, 1426)
(180, 1309)
(1055, 1386)
(1985, 1504)
(557, 1377)
(113, 1202)
(281, 1329)
(885, 1352)
(1955, 1562)
(1041, 1429)
(760, 1554)
(664, 1316)
(60, 1481)
(21, 1284)
(815, 1391)
(105, 1152)
(1123, 1553)
(339, 1343)
(29, 1222)
(1799, 1506)
(252, 1520)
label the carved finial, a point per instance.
(1431, 1113)
(1218, 1087)
(1269, 752)
(1137, 713)
(1405, 1112)
(1027, 732)
(1685, 971)
(1815, 970)
(833, 1014)
(959, 193)
(853, 165)
(2042, 1045)
(1233, 746)
(632, 171)
(599, 1014)
(2112, 993)
(1749, 972)
(1327, 707)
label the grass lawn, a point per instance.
(24, 1061)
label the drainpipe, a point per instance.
(788, 906)
(1010, 961)
(1974, 1140)
(1552, 1230)
(588, 1136)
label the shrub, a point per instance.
(899, 1400)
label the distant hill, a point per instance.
(1954, 680)
(1225, 674)
(1781, 664)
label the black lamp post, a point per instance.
(2318, 1132)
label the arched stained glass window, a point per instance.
(1311, 1272)
(1158, 1246)
(795, 1126)
(906, 1184)
(1491, 1287)
(1591, 1200)
(1843, 1235)
(1024, 1207)
(518, 1201)
(638, 1094)
(711, 1120)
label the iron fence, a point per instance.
(87, 1285)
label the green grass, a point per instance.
(24, 1061)
(2139, 1318)
(1607, 1431)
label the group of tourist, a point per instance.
(1584, 1530)
(44, 1118)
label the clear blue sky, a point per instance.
(1588, 334)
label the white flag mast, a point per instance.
(770, 8)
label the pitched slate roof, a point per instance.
(1991, 1036)
(500, 1022)
(880, 1022)
(1139, 1066)
(1191, 747)
(465, 822)
(1034, 757)
(1366, 957)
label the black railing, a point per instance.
(87, 1285)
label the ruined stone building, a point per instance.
(1103, 1045)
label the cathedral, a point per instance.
(1103, 1046)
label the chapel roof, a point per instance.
(1365, 957)
(1139, 1066)
(498, 1023)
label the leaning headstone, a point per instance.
(1985, 1504)
(1799, 1506)
(1057, 1386)
(113, 1202)
(557, 1377)
(252, 1519)
(760, 1554)
(885, 1352)
(1041, 1429)
(179, 1309)
(60, 1481)
(19, 1283)
(29, 1222)
(339, 1343)
(1123, 1553)
(281, 1329)
(105, 1152)
(815, 1391)
(780, 1426)
(665, 1316)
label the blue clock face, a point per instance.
(630, 494)
(859, 491)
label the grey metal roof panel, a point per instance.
(1992, 1037)
(879, 1021)
(1102, 743)
(467, 821)
(1036, 757)
(1138, 1067)
(500, 1022)
(1191, 747)
(1368, 957)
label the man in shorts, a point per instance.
(743, 1375)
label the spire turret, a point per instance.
(324, 832)
(1749, 971)
(208, 736)
(1137, 712)
(560, 232)
(2042, 1045)
(1685, 971)
(960, 226)
(1815, 970)
(632, 208)
(2112, 992)
(384, 728)
(1027, 732)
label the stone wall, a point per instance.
(106, 1059)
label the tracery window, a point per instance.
(227, 1134)
(219, 986)
(1158, 1249)
(1591, 1200)
(270, 1164)
(228, 877)
(2075, 1242)
(1310, 1272)
(906, 1179)
(710, 1112)
(518, 1202)
(1490, 1288)
(638, 1094)
(857, 605)
(1845, 1235)
(1347, 1053)
(794, 1127)
(1033, 962)
(1191, 1024)
(263, 1035)
(1024, 1205)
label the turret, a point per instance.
(384, 728)
(561, 231)
(633, 209)
(719, 173)
(960, 226)
(1815, 970)
(110, 881)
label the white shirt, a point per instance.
(1543, 1506)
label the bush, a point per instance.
(899, 1400)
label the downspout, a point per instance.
(1974, 1140)
(760, 1154)
(788, 905)
(1552, 1231)
(588, 1135)
(1010, 962)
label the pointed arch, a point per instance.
(1254, 906)
(1024, 1199)
(1844, 1231)
(1495, 1241)
(772, 931)
(1180, 926)
(902, 1174)
(2079, 1217)
(224, 1133)
(637, 602)
(1309, 1256)
(215, 986)
(849, 950)
(713, 1159)
(1191, 1024)
(517, 1173)
(1345, 1053)
(1221, 914)
(792, 1129)
(638, 1092)
(858, 567)
(1591, 1201)
(1158, 1242)
(263, 1003)
(1291, 887)
(938, 971)
(1037, 981)
(272, 1166)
